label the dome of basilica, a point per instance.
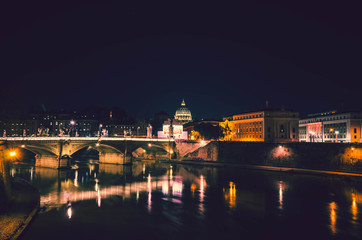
(183, 114)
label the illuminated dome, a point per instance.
(183, 114)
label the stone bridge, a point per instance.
(55, 152)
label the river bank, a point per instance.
(290, 170)
(20, 210)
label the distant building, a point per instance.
(18, 128)
(57, 124)
(267, 125)
(125, 130)
(174, 131)
(331, 127)
(183, 114)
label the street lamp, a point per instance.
(72, 124)
(337, 132)
(100, 129)
(12, 154)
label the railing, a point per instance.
(66, 138)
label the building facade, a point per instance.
(172, 129)
(18, 128)
(59, 124)
(331, 127)
(268, 125)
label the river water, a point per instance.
(151, 200)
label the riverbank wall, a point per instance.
(321, 156)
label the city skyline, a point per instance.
(146, 58)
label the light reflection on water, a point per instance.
(333, 216)
(253, 204)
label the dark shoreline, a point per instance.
(21, 210)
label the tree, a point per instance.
(208, 131)
(227, 129)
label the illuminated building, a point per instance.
(172, 128)
(18, 128)
(331, 127)
(267, 125)
(183, 114)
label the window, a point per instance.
(355, 130)
(293, 130)
(282, 128)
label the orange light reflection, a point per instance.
(333, 217)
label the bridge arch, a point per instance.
(99, 147)
(38, 150)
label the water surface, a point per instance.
(151, 200)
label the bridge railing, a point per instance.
(84, 139)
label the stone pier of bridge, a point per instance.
(115, 158)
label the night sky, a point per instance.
(146, 56)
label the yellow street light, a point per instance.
(12, 153)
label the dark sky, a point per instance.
(146, 56)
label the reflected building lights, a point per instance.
(232, 195)
(202, 192)
(31, 173)
(98, 198)
(76, 179)
(333, 217)
(69, 211)
(281, 192)
(165, 188)
(193, 188)
(354, 208)
(201, 188)
(177, 189)
(149, 203)
(171, 172)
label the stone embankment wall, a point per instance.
(326, 156)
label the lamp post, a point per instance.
(337, 132)
(72, 124)
(100, 129)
